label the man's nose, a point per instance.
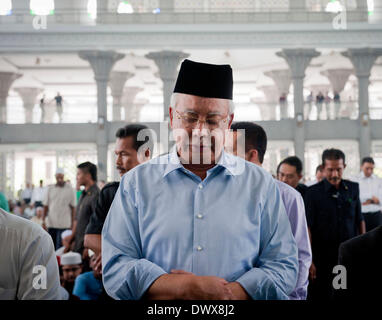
(199, 131)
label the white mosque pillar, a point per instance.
(6, 81)
(167, 63)
(298, 60)
(129, 95)
(102, 63)
(363, 60)
(337, 79)
(29, 96)
(116, 84)
(268, 109)
(282, 79)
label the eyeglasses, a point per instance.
(191, 121)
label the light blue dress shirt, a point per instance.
(232, 225)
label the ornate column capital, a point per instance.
(167, 62)
(363, 60)
(270, 93)
(117, 82)
(6, 81)
(337, 78)
(129, 95)
(28, 95)
(282, 79)
(298, 60)
(101, 62)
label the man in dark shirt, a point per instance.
(289, 171)
(362, 258)
(87, 177)
(334, 215)
(59, 99)
(130, 151)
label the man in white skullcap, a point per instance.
(59, 208)
(71, 264)
(65, 238)
(28, 265)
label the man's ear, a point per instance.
(171, 113)
(230, 121)
(344, 165)
(253, 156)
(147, 153)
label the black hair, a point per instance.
(90, 168)
(132, 130)
(255, 137)
(332, 154)
(292, 161)
(367, 160)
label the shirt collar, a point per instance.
(91, 189)
(227, 161)
(329, 186)
(362, 175)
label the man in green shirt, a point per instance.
(4, 202)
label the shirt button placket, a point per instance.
(199, 231)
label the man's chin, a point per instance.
(121, 173)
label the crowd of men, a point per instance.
(203, 221)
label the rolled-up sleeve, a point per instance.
(274, 275)
(126, 274)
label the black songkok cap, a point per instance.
(205, 80)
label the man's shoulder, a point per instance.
(110, 189)
(366, 242)
(317, 186)
(314, 190)
(286, 189)
(110, 186)
(351, 184)
(24, 227)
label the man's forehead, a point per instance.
(70, 266)
(126, 142)
(193, 103)
(334, 163)
(287, 167)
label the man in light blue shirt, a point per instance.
(186, 225)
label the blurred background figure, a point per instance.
(319, 176)
(38, 195)
(26, 194)
(370, 187)
(59, 100)
(42, 108)
(4, 202)
(59, 208)
(289, 171)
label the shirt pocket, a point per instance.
(350, 208)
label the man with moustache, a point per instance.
(128, 156)
(333, 211)
(183, 226)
